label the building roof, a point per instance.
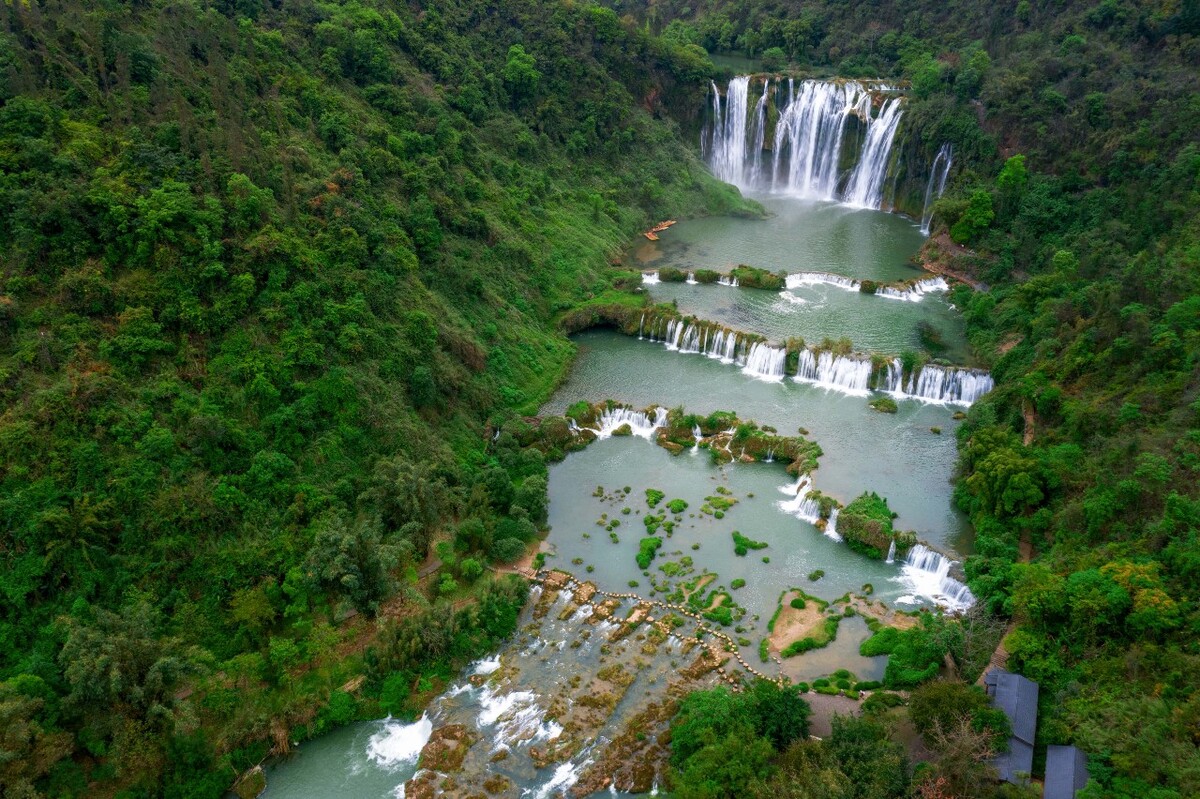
(1017, 697)
(1016, 764)
(1066, 772)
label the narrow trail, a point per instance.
(999, 658)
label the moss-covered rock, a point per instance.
(754, 278)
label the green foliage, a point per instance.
(722, 742)
(975, 219)
(742, 544)
(884, 404)
(654, 496)
(647, 548)
(941, 704)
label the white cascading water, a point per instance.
(728, 156)
(942, 162)
(723, 346)
(800, 279)
(399, 743)
(831, 524)
(758, 131)
(650, 279)
(639, 423)
(916, 291)
(865, 189)
(765, 362)
(697, 433)
(691, 278)
(891, 555)
(843, 373)
(934, 383)
(803, 506)
(808, 139)
(927, 574)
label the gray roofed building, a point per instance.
(1066, 772)
(1017, 697)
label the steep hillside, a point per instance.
(268, 268)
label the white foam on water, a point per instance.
(566, 775)
(399, 744)
(485, 666)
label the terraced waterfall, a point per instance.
(724, 438)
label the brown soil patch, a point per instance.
(881, 612)
(793, 624)
(701, 582)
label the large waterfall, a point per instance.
(937, 176)
(809, 136)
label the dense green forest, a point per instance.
(268, 268)
(1077, 195)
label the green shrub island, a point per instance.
(742, 544)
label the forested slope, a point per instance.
(267, 270)
(1077, 196)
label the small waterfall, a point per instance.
(728, 157)
(891, 556)
(641, 324)
(728, 280)
(650, 279)
(934, 383)
(944, 158)
(691, 278)
(866, 181)
(722, 346)
(801, 505)
(915, 292)
(640, 424)
(892, 380)
(800, 279)
(696, 434)
(843, 373)
(927, 574)
(765, 362)
(398, 742)
(831, 524)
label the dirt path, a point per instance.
(937, 255)
(824, 708)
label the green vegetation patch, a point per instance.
(884, 404)
(826, 633)
(654, 496)
(742, 544)
(647, 548)
(751, 277)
